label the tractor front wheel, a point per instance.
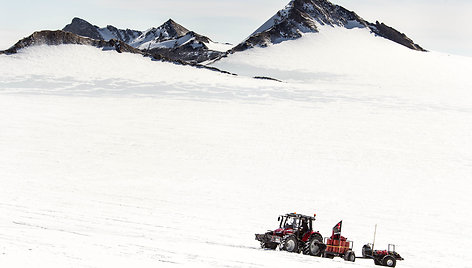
(289, 243)
(389, 261)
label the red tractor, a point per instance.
(295, 234)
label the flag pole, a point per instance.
(375, 233)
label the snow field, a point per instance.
(88, 180)
(112, 159)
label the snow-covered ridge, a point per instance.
(170, 30)
(111, 32)
(170, 40)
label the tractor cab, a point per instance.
(295, 224)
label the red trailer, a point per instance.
(338, 245)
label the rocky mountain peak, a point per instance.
(170, 30)
(305, 16)
(79, 21)
(174, 29)
(325, 12)
(83, 28)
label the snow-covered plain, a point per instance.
(114, 160)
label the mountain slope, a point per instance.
(170, 40)
(306, 16)
(354, 59)
(174, 41)
(55, 38)
(66, 38)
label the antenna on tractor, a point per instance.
(375, 233)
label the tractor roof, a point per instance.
(301, 216)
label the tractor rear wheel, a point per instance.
(389, 261)
(290, 244)
(313, 246)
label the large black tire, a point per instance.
(389, 261)
(290, 244)
(346, 255)
(350, 256)
(314, 246)
(272, 246)
(366, 251)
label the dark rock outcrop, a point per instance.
(83, 28)
(390, 33)
(302, 16)
(64, 38)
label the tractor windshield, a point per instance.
(291, 223)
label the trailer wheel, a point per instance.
(314, 246)
(346, 255)
(289, 243)
(350, 256)
(389, 261)
(366, 251)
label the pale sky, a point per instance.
(439, 25)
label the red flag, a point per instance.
(337, 228)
